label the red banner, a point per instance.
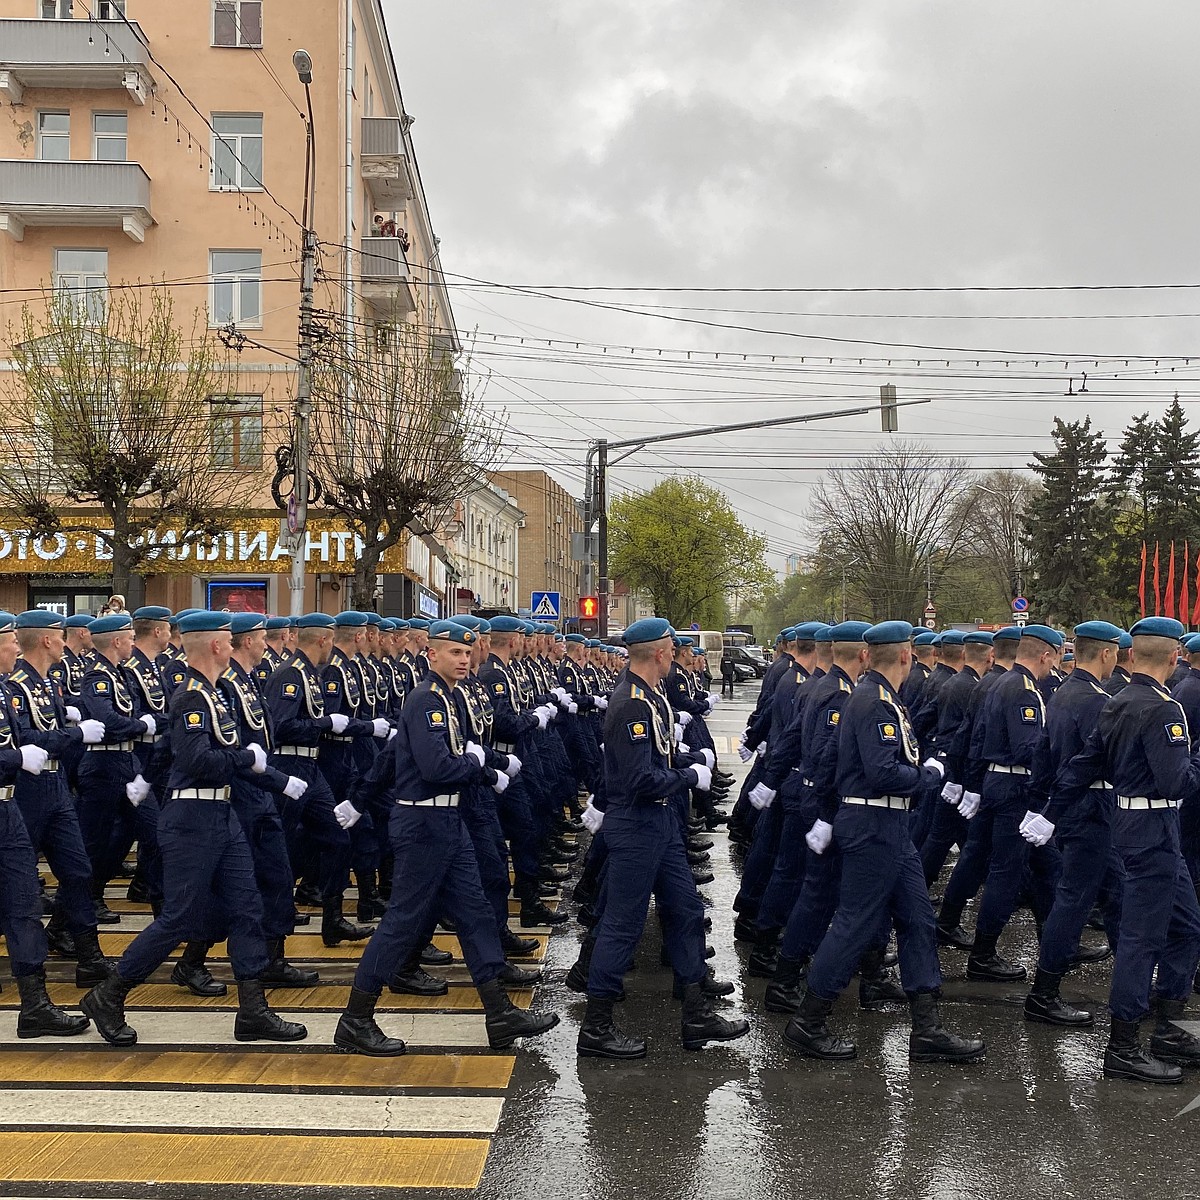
(1185, 611)
(1157, 587)
(1169, 598)
(1142, 582)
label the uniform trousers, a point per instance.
(483, 827)
(799, 811)
(208, 872)
(881, 880)
(435, 875)
(309, 822)
(20, 900)
(1160, 917)
(947, 827)
(646, 856)
(53, 827)
(516, 820)
(760, 860)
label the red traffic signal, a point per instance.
(589, 607)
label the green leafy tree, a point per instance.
(682, 542)
(804, 596)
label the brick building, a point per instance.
(544, 548)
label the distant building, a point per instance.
(796, 564)
(544, 549)
(483, 541)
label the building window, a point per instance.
(110, 137)
(56, 10)
(81, 279)
(111, 10)
(237, 152)
(237, 432)
(236, 287)
(54, 136)
(237, 23)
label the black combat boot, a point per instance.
(370, 903)
(91, 967)
(744, 929)
(104, 914)
(876, 987)
(713, 987)
(701, 1024)
(308, 894)
(552, 874)
(411, 980)
(1124, 1057)
(701, 876)
(522, 977)
(697, 858)
(357, 1032)
(105, 1004)
(1044, 1004)
(785, 992)
(698, 845)
(256, 1022)
(505, 1022)
(1168, 1041)
(577, 976)
(191, 972)
(600, 1038)
(1086, 955)
(281, 974)
(335, 929)
(534, 913)
(930, 1041)
(807, 1034)
(985, 965)
(431, 956)
(39, 1017)
(764, 958)
(514, 946)
(950, 931)
(59, 938)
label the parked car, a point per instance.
(744, 659)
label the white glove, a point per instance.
(678, 734)
(819, 837)
(761, 749)
(572, 707)
(543, 717)
(73, 714)
(93, 732)
(295, 787)
(137, 789)
(392, 733)
(592, 818)
(952, 793)
(561, 693)
(475, 750)
(710, 759)
(338, 722)
(259, 765)
(501, 784)
(347, 815)
(936, 764)
(34, 759)
(513, 767)
(380, 728)
(685, 719)
(709, 705)
(550, 711)
(969, 805)
(601, 702)
(1036, 830)
(761, 796)
(713, 700)
(703, 777)
(744, 752)
(150, 723)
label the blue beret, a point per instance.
(1163, 627)
(399, 624)
(530, 629)
(200, 621)
(373, 618)
(979, 637)
(504, 624)
(449, 631)
(681, 642)
(8, 622)
(386, 625)
(807, 632)
(293, 622)
(648, 629)
(1051, 637)
(925, 638)
(278, 624)
(152, 612)
(350, 620)
(779, 639)
(247, 622)
(576, 639)
(823, 635)
(848, 631)
(1100, 631)
(418, 623)
(183, 612)
(888, 633)
(314, 621)
(41, 618)
(1125, 641)
(1010, 633)
(467, 620)
(1068, 657)
(597, 644)
(558, 639)
(1192, 643)
(115, 623)
(953, 637)
(78, 621)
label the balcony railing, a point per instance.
(72, 194)
(384, 161)
(72, 54)
(386, 280)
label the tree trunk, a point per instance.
(366, 570)
(126, 581)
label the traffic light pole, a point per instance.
(596, 478)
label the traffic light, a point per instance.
(887, 408)
(589, 607)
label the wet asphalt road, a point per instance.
(749, 1119)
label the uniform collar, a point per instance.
(1080, 673)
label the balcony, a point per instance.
(384, 163)
(386, 282)
(107, 55)
(112, 195)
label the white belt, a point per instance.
(1000, 769)
(336, 737)
(6, 793)
(1101, 785)
(221, 793)
(1145, 802)
(116, 747)
(808, 783)
(150, 738)
(878, 801)
(445, 801)
(504, 747)
(298, 751)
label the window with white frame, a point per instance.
(56, 10)
(54, 136)
(110, 137)
(111, 10)
(81, 279)
(237, 152)
(237, 23)
(236, 289)
(237, 432)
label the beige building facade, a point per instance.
(544, 562)
(152, 141)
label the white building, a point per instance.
(485, 551)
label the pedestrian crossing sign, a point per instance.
(545, 606)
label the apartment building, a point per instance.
(144, 140)
(484, 539)
(544, 562)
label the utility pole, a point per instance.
(596, 478)
(297, 518)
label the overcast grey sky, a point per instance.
(809, 145)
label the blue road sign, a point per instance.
(1020, 604)
(545, 606)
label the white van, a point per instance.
(708, 640)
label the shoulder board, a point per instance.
(843, 686)
(230, 674)
(884, 694)
(20, 675)
(637, 692)
(435, 688)
(1030, 686)
(194, 685)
